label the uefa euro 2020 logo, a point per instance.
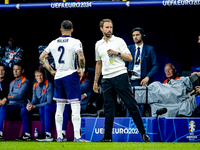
(192, 126)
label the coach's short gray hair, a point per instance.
(104, 20)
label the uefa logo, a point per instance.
(192, 126)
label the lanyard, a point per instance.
(0, 87)
(138, 60)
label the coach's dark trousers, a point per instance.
(119, 85)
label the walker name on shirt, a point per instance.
(62, 40)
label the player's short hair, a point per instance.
(19, 63)
(104, 20)
(67, 25)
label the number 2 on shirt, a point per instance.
(62, 50)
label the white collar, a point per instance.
(141, 46)
(109, 39)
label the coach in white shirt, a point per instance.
(115, 79)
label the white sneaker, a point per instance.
(24, 137)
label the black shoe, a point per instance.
(44, 138)
(145, 137)
(105, 140)
(24, 137)
(1, 138)
(41, 136)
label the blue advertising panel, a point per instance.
(197, 100)
(102, 4)
(124, 129)
(179, 129)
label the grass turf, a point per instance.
(9, 145)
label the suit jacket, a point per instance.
(149, 63)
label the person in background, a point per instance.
(86, 90)
(19, 93)
(13, 54)
(50, 59)
(4, 83)
(170, 72)
(198, 73)
(2, 53)
(197, 89)
(144, 65)
(42, 95)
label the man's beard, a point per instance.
(138, 42)
(108, 34)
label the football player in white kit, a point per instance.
(67, 76)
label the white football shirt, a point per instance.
(118, 67)
(63, 50)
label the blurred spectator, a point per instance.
(49, 58)
(17, 97)
(198, 73)
(2, 53)
(4, 83)
(197, 89)
(170, 72)
(86, 88)
(13, 54)
(51, 63)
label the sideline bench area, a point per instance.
(14, 129)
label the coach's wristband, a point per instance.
(83, 69)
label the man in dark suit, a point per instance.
(144, 65)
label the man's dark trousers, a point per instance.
(119, 85)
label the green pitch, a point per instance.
(9, 145)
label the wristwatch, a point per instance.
(119, 54)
